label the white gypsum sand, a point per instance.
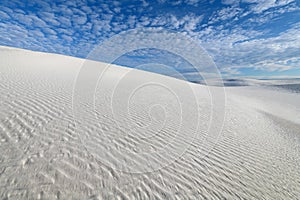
(123, 145)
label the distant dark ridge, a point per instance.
(226, 83)
(291, 87)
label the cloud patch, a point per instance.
(236, 33)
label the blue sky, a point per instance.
(244, 37)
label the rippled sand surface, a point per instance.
(138, 135)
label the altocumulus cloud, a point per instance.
(238, 34)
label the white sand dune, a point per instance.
(134, 141)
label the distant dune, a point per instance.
(141, 136)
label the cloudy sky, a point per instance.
(244, 37)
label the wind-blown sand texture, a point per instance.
(47, 153)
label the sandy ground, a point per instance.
(140, 141)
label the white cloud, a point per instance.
(49, 31)
(261, 6)
(271, 67)
(58, 25)
(241, 48)
(192, 2)
(36, 33)
(225, 14)
(79, 19)
(230, 71)
(230, 2)
(3, 15)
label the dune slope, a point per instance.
(139, 141)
